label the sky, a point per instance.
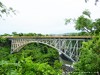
(45, 16)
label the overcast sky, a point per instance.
(45, 16)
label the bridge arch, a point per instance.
(60, 53)
(21, 46)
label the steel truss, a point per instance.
(68, 47)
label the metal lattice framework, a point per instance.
(67, 46)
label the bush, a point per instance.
(89, 63)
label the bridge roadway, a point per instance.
(49, 37)
(66, 45)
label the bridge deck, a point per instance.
(50, 37)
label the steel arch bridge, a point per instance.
(66, 45)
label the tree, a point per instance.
(96, 25)
(14, 33)
(20, 34)
(84, 23)
(89, 62)
(5, 10)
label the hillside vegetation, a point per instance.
(32, 59)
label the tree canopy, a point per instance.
(89, 63)
(86, 24)
(33, 59)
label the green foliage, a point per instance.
(97, 26)
(40, 53)
(85, 24)
(89, 63)
(67, 21)
(87, 13)
(25, 34)
(5, 10)
(96, 1)
(33, 59)
(44, 50)
(14, 33)
(27, 67)
(4, 41)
